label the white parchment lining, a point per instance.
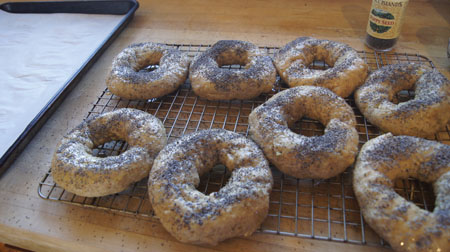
(38, 54)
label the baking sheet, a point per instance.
(42, 54)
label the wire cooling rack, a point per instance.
(319, 209)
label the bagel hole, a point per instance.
(307, 127)
(213, 180)
(148, 62)
(319, 65)
(148, 68)
(111, 148)
(417, 192)
(232, 60)
(232, 67)
(403, 96)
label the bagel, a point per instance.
(347, 70)
(236, 209)
(403, 224)
(129, 79)
(210, 81)
(301, 156)
(75, 169)
(424, 115)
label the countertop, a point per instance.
(30, 222)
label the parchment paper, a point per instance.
(38, 54)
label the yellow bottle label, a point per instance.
(386, 18)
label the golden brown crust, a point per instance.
(75, 169)
(210, 81)
(300, 156)
(128, 81)
(403, 224)
(422, 116)
(236, 209)
(347, 71)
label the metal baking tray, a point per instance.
(115, 7)
(318, 209)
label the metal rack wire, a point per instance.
(319, 209)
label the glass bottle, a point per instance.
(385, 21)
